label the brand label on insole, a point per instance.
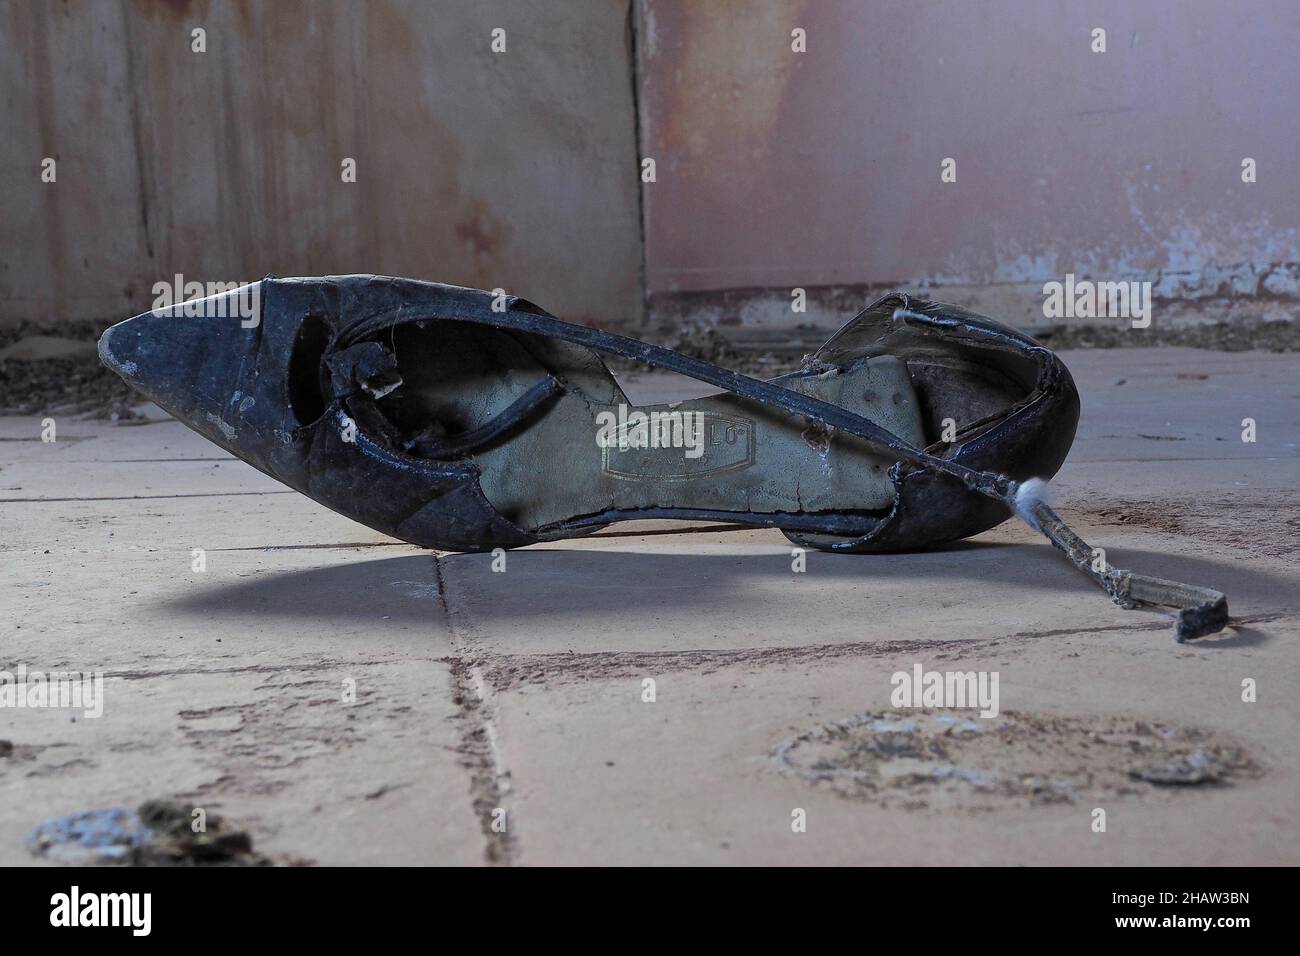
(673, 445)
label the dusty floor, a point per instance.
(523, 689)
(53, 366)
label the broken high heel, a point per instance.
(462, 420)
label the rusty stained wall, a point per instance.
(822, 169)
(515, 170)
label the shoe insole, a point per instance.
(590, 451)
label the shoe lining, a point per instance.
(723, 454)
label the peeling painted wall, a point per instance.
(778, 169)
(515, 170)
(774, 169)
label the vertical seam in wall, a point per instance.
(137, 132)
(634, 69)
(41, 75)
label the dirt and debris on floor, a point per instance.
(1240, 335)
(951, 760)
(704, 341)
(157, 833)
(54, 368)
(766, 353)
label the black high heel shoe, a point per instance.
(462, 420)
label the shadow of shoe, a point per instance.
(724, 592)
(403, 589)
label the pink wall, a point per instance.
(774, 169)
(778, 169)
